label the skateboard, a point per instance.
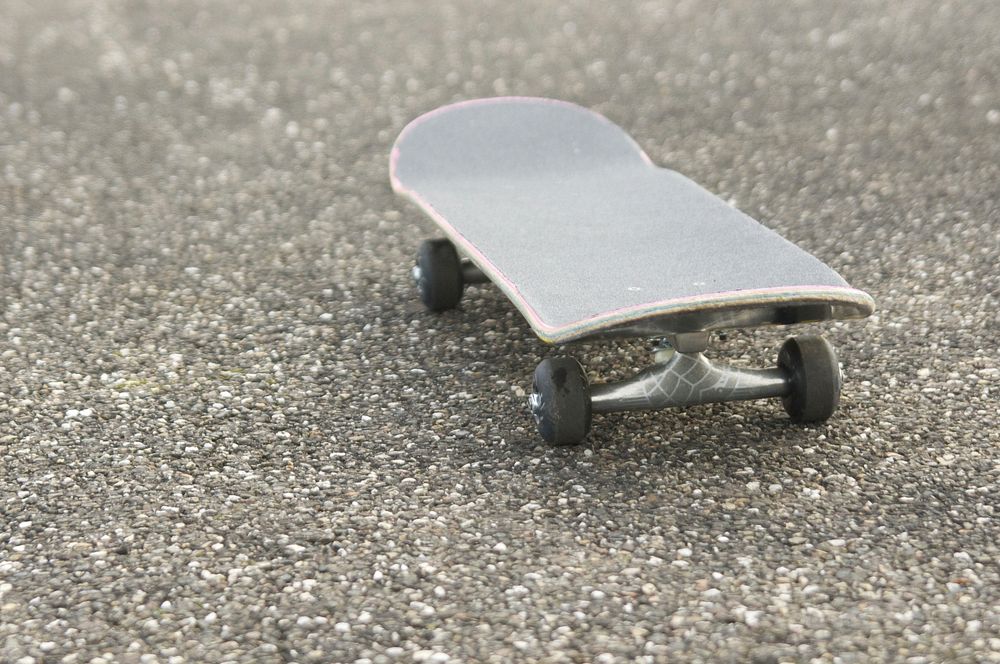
(563, 211)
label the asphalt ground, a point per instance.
(228, 432)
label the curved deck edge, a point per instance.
(857, 303)
(844, 303)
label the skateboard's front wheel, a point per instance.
(438, 274)
(814, 377)
(560, 401)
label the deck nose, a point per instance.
(490, 137)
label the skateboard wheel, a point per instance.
(439, 275)
(814, 376)
(560, 401)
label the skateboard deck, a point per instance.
(588, 238)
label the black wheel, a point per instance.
(560, 401)
(439, 275)
(811, 366)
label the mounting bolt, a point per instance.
(690, 342)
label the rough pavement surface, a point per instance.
(228, 432)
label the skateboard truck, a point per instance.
(807, 379)
(687, 379)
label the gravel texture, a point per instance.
(228, 432)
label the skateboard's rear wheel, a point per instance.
(560, 401)
(439, 275)
(814, 376)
